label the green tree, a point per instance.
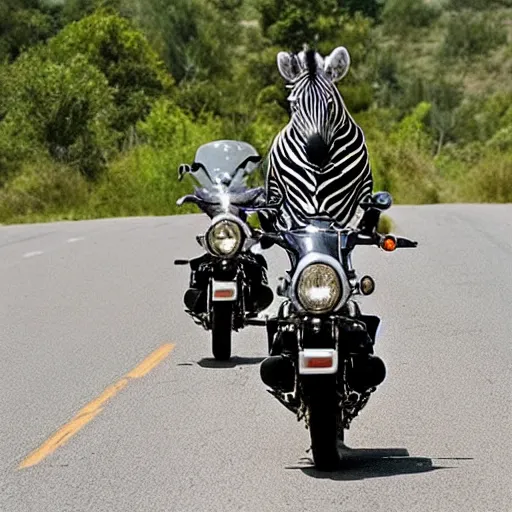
(23, 23)
(196, 39)
(63, 110)
(116, 48)
(291, 23)
(480, 118)
(480, 5)
(469, 35)
(404, 15)
(370, 8)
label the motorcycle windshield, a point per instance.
(317, 237)
(224, 164)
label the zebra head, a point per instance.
(317, 109)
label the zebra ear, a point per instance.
(288, 66)
(337, 64)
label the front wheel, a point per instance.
(324, 419)
(222, 321)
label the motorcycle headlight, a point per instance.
(224, 238)
(319, 288)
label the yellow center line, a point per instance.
(93, 408)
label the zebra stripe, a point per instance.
(302, 190)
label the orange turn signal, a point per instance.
(389, 243)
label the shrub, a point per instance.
(404, 15)
(122, 53)
(143, 181)
(23, 23)
(63, 110)
(43, 190)
(170, 128)
(490, 180)
(402, 162)
(197, 39)
(479, 118)
(469, 35)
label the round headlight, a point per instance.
(319, 288)
(224, 238)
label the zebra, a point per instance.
(318, 165)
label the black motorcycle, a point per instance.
(228, 284)
(322, 364)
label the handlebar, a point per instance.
(350, 239)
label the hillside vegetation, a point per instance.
(101, 100)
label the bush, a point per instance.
(489, 181)
(43, 190)
(23, 23)
(402, 162)
(196, 38)
(480, 118)
(122, 53)
(63, 110)
(404, 15)
(169, 128)
(479, 5)
(144, 181)
(469, 35)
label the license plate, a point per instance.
(316, 361)
(223, 291)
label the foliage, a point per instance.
(470, 35)
(144, 179)
(101, 100)
(404, 15)
(195, 38)
(369, 8)
(23, 23)
(42, 190)
(480, 5)
(481, 118)
(61, 110)
(402, 163)
(123, 55)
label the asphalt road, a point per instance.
(82, 304)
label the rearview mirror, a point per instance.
(382, 200)
(182, 170)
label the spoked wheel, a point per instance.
(324, 419)
(222, 320)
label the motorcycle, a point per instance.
(228, 283)
(321, 362)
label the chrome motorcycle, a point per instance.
(228, 283)
(321, 363)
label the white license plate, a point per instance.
(316, 361)
(223, 291)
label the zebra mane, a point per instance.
(311, 63)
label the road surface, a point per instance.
(85, 426)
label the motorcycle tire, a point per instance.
(222, 321)
(324, 418)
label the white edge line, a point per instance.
(77, 239)
(32, 254)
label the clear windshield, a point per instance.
(225, 162)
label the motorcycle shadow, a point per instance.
(232, 363)
(363, 463)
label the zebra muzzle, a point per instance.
(317, 150)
